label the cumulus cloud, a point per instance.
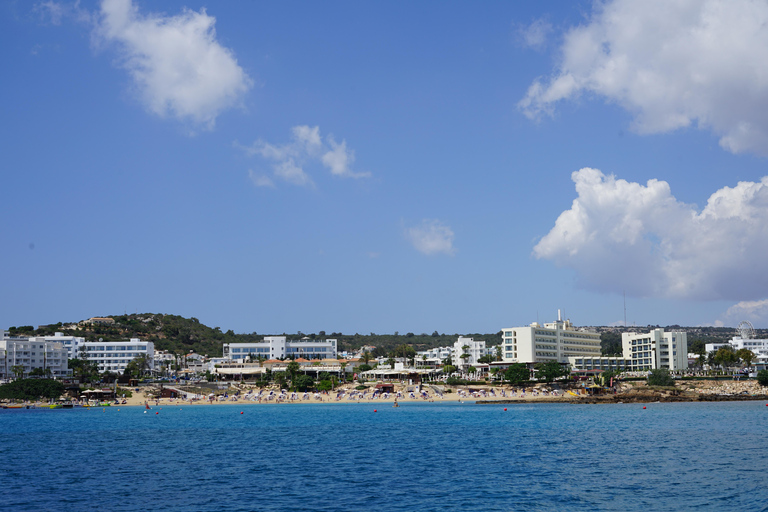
(672, 65)
(619, 235)
(176, 63)
(431, 237)
(755, 312)
(305, 148)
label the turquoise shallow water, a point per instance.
(425, 457)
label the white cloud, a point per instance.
(756, 312)
(619, 235)
(339, 159)
(431, 237)
(175, 62)
(672, 65)
(260, 180)
(535, 35)
(306, 147)
(51, 12)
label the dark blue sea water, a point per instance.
(418, 457)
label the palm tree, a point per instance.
(18, 371)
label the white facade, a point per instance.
(71, 343)
(758, 347)
(656, 349)
(278, 347)
(600, 363)
(114, 356)
(31, 353)
(556, 341)
(471, 351)
(435, 356)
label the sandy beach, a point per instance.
(625, 392)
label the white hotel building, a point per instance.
(656, 349)
(556, 341)
(30, 353)
(114, 356)
(279, 347)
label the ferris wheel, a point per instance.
(746, 331)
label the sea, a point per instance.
(375, 457)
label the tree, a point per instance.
(610, 344)
(302, 382)
(84, 370)
(449, 369)
(31, 389)
(138, 366)
(487, 359)
(660, 377)
(364, 368)
(550, 371)
(404, 351)
(725, 356)
(366, 357)
(517, 374)
(762, 377)
(746, 356)
(471, 370)
(17, 371)
(292, 369)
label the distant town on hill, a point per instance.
(182, 335)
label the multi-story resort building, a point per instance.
(71, 343)
(556, 341)
(28, 353)
(279, 347)
(114, 356)
(466, 352)
(434, 356)
(656, 349)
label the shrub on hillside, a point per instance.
(762, 377)
(660, 377)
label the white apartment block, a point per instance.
(31, 353)
(466, 352)
(71, 343)
(556, 341)
(114, 356)
(435, 356)
(656, 349)
(278, 347)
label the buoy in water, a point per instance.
(159, 413)
(378, 411)
(241, 412)
(505, 408)
(643, 407)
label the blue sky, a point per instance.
(376, 167)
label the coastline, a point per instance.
(625, 392)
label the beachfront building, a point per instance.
(556, 341)
(114, 356)
(759, 347)
(600, 363)
(434, 357)
(71, 343)
(28, 353)
(280, 347)
(656, 349)
(467, 351)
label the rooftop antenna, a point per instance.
(625, 307)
